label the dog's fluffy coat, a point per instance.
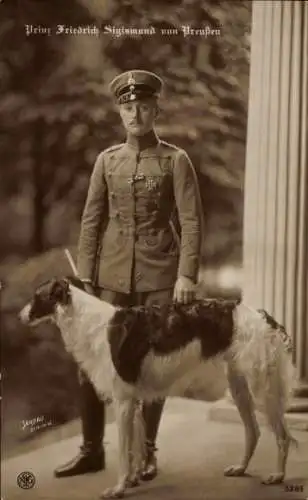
(220, 345)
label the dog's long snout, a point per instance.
(24, 315)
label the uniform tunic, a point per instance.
(126, 241)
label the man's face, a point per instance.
(138, 116)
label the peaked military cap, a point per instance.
(135, 85)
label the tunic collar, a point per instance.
(139, 144)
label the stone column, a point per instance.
(276, 178)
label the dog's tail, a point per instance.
(263, 352)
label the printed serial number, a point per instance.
(298, 488)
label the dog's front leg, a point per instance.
(124, 411)
(138, 448)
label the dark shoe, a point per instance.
(82, 464)
(149, 469)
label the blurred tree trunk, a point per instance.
(38, 133)
(39, 208)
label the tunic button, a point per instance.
(151, 241)
(121, 282)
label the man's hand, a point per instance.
(184, 290)
(89, 288)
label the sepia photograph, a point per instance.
(154, 249)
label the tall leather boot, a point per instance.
(91, 457)
(152, 415)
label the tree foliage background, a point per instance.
(56, 115)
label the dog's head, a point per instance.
(43, 305)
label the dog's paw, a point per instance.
(235, 470)
(276, 478)
(115, 492)
(132, 482)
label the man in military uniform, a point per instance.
(129, 253)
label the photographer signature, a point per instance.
(35, 424)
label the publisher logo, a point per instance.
(26, 480)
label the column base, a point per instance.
(226, 411)
(301, 390)
(298, 405)
(299, 402)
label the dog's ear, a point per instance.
(60, 291)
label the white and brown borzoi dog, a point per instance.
(143, 353)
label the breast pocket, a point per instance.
(121, 184)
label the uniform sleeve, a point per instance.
(188, 202)
(93, 218)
